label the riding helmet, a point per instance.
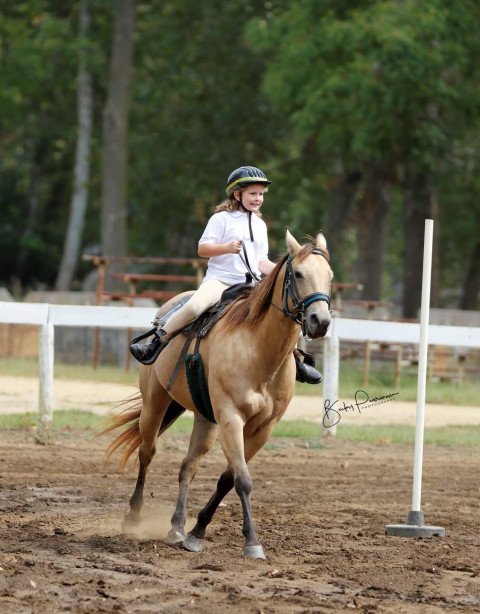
(244, 175)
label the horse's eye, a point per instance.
(298, 274)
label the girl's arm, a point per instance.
(208, 250)
(266, 266)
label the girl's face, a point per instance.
(252, 196)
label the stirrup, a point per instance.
(306, 372)
(157, 344)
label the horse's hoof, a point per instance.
(175, 537)
(192, 543)
(253, 552)
(130, 522)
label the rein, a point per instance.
(290, 289)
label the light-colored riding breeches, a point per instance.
(207, 295)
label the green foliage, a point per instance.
(381, 79)
(379, 85)
(38, 118)
(305, 89)
(196, 114)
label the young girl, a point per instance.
(237, 220)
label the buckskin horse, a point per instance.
(250, 376)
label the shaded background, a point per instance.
(120, 122)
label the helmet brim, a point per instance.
(242, 181)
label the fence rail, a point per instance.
(48, 316)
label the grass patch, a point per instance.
(62, 420)
(399, 433)
(303, 430)
(382, 381)
(29, 368)
(351, 379)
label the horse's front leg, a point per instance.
(236, 475)
(251, 444)
(203, 437)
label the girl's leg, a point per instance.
(207, 295)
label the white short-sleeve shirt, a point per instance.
(226, 226)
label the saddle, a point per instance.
(211, 315)
(205, 321)
(198, 329)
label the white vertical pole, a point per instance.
(45, 389)
(331, 364)
(422, 365)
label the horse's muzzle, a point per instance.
(317, 324)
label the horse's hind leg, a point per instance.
(193, 541)
(155, 403)
(203, 437)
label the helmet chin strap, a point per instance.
(239, 201)
(249, 214)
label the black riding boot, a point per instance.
(306, 372)
(147, 353)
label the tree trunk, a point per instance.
(418, 207)
(78, 203)
(372, 226)
(343, 198)
(471, 286)
(435, 281)
(33, 199)
(115, 128)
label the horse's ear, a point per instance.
(320, 241)
(293, 246)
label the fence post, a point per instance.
(331, 364)
(45, 387)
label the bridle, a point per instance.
(290, 289)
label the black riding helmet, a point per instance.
(243, 176)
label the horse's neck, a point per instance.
(277, 334)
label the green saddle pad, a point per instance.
(198, 386)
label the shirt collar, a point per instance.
(239, 213)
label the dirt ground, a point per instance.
(320, 512)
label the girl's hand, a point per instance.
(234, 247)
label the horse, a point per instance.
(250, 375)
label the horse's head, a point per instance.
(307, 284)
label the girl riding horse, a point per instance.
(235, 226)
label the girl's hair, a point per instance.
(230, 204)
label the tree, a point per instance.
(115, 129)
(78, 203)
(197, 113)
(382, 87)
(37, 60)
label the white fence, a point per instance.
(48, 316)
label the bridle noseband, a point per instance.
(300, 304)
